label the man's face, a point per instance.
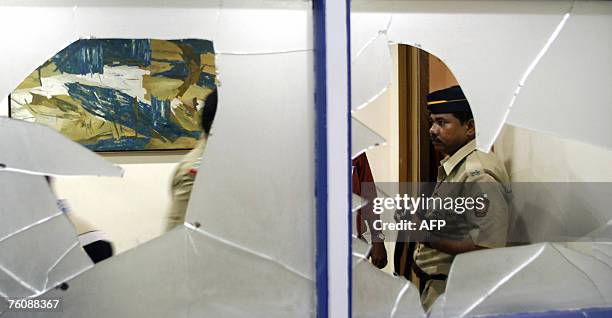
(448, 134)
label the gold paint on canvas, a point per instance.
(162, 88)
(165, 50)
(195, 92)
(207, 62)
(187, 117)
(68, 116)
(181, 142)
(159, 67)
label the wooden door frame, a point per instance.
(413, 87)
(414, 145)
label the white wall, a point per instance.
(130, 210)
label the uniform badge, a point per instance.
(482, 212)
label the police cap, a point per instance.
(448, 100)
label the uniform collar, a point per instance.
(451, 162)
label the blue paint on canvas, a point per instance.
(139, 142)
(82, 57)
(123, 109)
(89, 56)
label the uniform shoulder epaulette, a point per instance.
(473, 165)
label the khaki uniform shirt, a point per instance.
(182, 183)
(468, 173)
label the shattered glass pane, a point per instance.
(17, 209)
(185, 22)
(254, 254)
(263, 192)
(261, 34)
(248, 279)
(603, 252)
(360, 249)
(603, 233)
(41, 150)
(187, 274)
(371, 72)
(358, 202)
(41, 257)
(365, 28)
(46, 32)
(499, 53)
(363, 138)
(597, 244)
(378, 294)
(489, 45)
(565, 91)
(519, 279)
(560, 211)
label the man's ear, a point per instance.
(470, 128)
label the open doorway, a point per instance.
(419, 73)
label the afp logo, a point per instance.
(432, 225)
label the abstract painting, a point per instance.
(121, 94)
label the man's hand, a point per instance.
(378, 254)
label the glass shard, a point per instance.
(361, 249)
(143, 21)
(371, 72)
(258, 205)
(365, 28)
(193, 276)
(239, 282)
(472, 40)
(261, 34)
(559, 92)
(47, 32)
(17, 209)
(603, 252)
(358, 202)
(246, 192)
(363, 138)
(41, 257)
(378, 294)
(518, 279)
(26, 143)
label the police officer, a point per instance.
(463, 173)
(185, 172)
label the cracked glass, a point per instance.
(190, 271)
(53, 256)
(512, 280)
(377, 294)
(363, 138)
(560, 82)
(452, 31)
(275, 192)
(520, 68)
(35, 141)
(247, 247)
